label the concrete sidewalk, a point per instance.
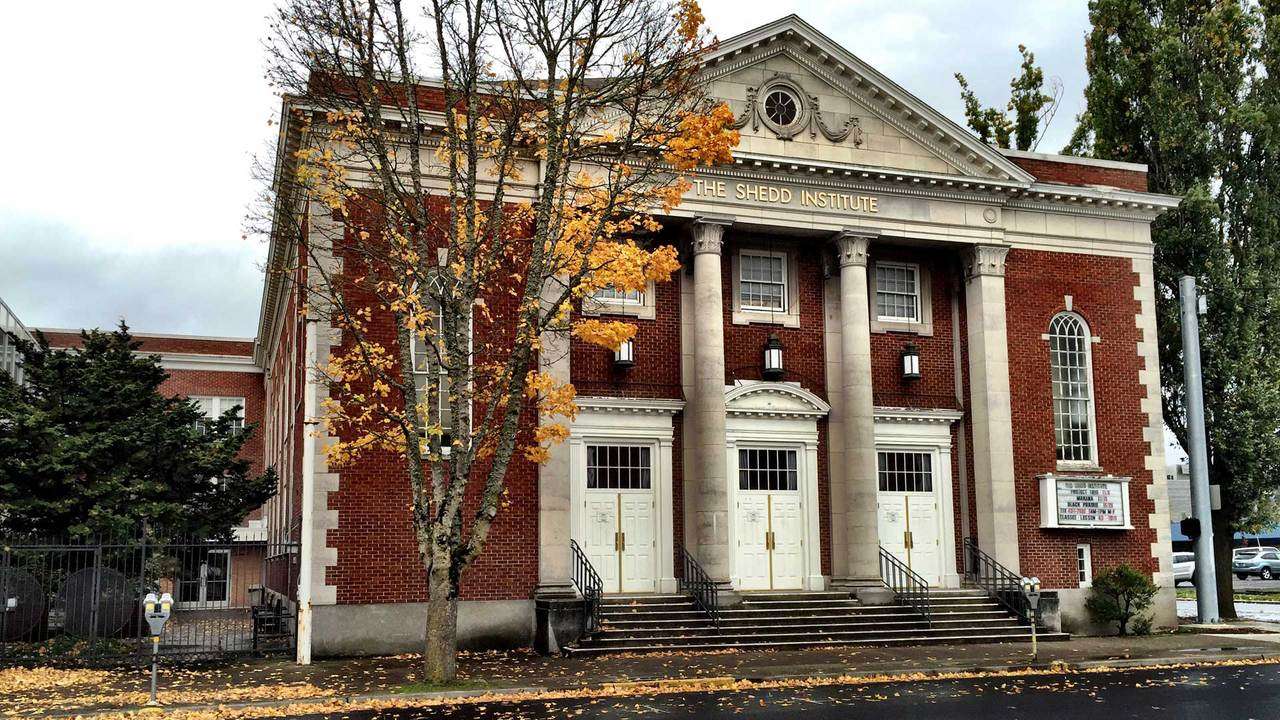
(46, 692)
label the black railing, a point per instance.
(79, 601)
(906, 585)
(1002, 584)
(589, 585)
(695, 582)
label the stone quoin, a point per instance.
(1023, 283)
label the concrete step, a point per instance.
(814, 628)
(814, 642)
(774, 605)
(611, 600)
(733, 620)
(792, 595)
(700, 635)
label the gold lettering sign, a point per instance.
(777, 195)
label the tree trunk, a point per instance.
(440, 660)
(1222, 533)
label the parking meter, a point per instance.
(156, 610)
(1031, 590)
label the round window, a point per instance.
(781, 107)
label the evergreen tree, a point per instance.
(92, 447)
(1188, 88)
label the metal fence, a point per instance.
(81, 601)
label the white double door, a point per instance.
(910, 523)
(769, 524)
(770, 532)
(621, 539)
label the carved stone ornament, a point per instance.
(708, 236)
(851, 248)
(787, 110)
(985, 260)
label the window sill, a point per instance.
(1074, 466)
(757, 317)
(640, 312)
(922, 329)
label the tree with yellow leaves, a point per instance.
(470, 172)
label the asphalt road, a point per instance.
(1222, 693)
(1265, 612)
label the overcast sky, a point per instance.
(129, 131)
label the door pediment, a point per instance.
(773, 399)
(845, 111)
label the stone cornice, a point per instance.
(634, 406)
(917, 415)
(206, 363)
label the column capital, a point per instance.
(852, 246)
(984, 260)
(708, 234)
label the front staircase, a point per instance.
(647, 623)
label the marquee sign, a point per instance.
(1086, 501)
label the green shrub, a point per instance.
(1120, 596)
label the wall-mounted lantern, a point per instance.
(625, 356)
(773, 358)
(910, 362)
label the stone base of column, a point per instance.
(555, 590)
(726, 596)
(868, 590)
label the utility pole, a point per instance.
(1206, 577)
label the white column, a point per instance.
(707, 409)
(554, 476)
(858, 421)
(990, 403)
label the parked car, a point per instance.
(1264, 564)
(1184, 567)
(1251, 551)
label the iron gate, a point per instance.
(81, 601)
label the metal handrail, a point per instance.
(906, 585)
(695, 582)
(589, 584)
(999, 582)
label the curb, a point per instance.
(495, 695)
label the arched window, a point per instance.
(1072, 378)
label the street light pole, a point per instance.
(1206, 578)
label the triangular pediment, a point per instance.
(844, 111)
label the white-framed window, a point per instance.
(212, 407)
(767, 469)
(904, 471)
(420, 351)
(1084, 565)
(619, 467)
(762, 281)
(897, 292)
(1071, 375)
(613, 296)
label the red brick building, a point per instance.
(963, 352)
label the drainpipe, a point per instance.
(308, 540)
